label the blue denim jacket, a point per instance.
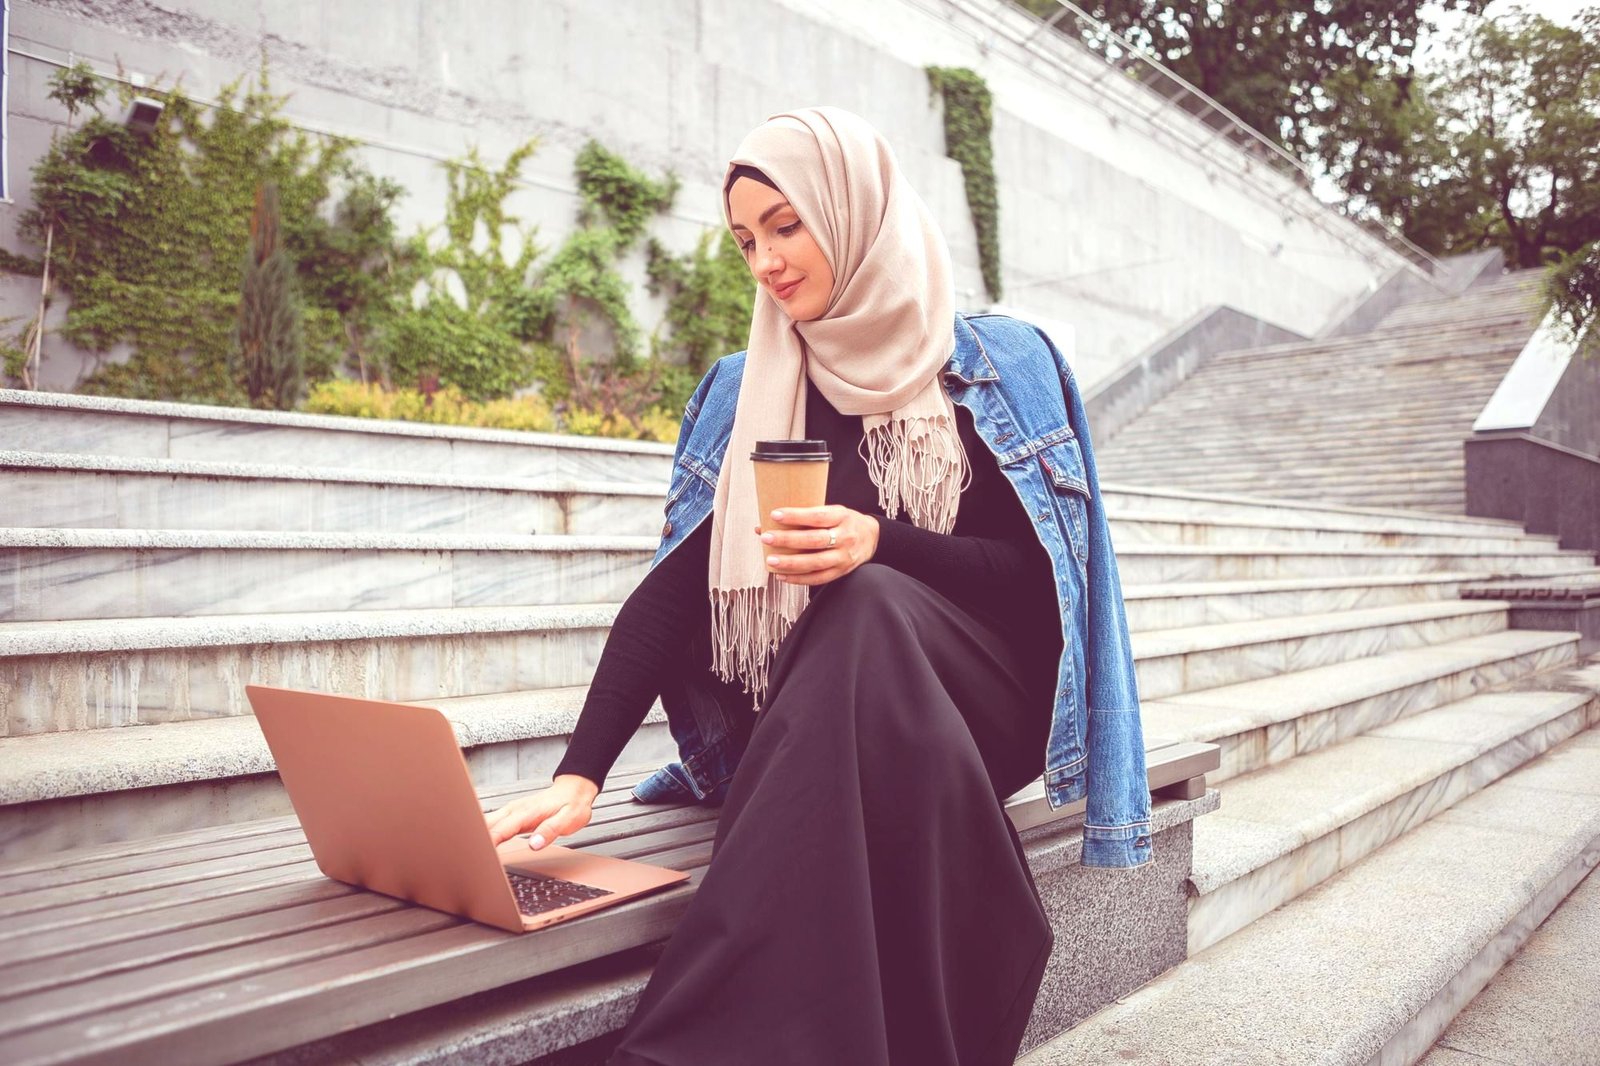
(1027, 408)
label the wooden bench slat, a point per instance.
(18, 978)
(125, 907)
(242, 861)
(174, 915)
(191, 976)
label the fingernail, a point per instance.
(772, 560)
(537, 842)
(778, 515)
(766, 538)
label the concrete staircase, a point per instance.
(1371, 420)
(158, 557)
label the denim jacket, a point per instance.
(1027, 408)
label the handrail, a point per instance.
(1222, 123)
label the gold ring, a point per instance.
(833, 536)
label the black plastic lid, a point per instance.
(785, 450)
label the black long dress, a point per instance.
(868, 900)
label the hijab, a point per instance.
(877, 351)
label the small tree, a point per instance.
(268, 344)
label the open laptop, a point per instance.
(386, 802)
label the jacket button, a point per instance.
(1043, 515)
(666, 530)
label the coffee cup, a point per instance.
(789, 473)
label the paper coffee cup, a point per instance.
(789, 473)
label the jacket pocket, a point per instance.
(1064, 469)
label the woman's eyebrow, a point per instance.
(768, 213)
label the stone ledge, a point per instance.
(1289, 504)
(49, 766)
(81, 637)
(342, 423)
(102, 539)
(134, 464)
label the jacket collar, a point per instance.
(969, 363)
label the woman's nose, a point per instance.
(768, 263)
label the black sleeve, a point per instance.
(995, 575)
(652, 629)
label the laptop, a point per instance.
(386, 802)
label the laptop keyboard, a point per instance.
(536, 893)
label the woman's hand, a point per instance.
(856, 541)
(562, 808)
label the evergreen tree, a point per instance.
(268, 348)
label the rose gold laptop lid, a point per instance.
(383, 794)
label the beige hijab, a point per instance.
(877, 352)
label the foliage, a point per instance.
(267, 343)
(1573, 289)
(711, 300)
(478, 343)
(448, 405)
(76, 88)
(617, 195)
(968, 122)
(1267, 61)
(147, 229)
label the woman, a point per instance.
(868, 900)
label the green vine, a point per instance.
(710, 300)
(148, 230)
(968, 124)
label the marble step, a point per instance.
(1539, 1009)
(1329, 476)
(100, 425)
(1201, 400)
(55, 574)
(1270, 720)
(59, 789)
(1196, 445)
(58, 574)
(1195, 658)
(1195, 505)
(1130, 527)
(55, 491)
(1240, 427)
(94, 674)
(45, 489)
(100, 673)
(1287, 828)
(1195, 603)
(1369, 966)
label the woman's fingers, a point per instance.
(829, 514)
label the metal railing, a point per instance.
(1117, 55)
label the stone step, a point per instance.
(56, 574)
(100, 425)
(132, 492)
(1199, 398)
(59, 789)
(1195, 505)
(1286, 828)
(92, 674)
(1239, 425)
(1270, 720)
(76, 492)
(1280, 475)
(1131, 527)
(1539, 1009)
(100, 673)
(1196, 658)
(1196, 446)
(1370, 965)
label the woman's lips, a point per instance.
(786, 291)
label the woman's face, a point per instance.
(779, 249)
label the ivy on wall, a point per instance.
(150, 230)
(968, 125)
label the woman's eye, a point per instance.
(786, 231)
